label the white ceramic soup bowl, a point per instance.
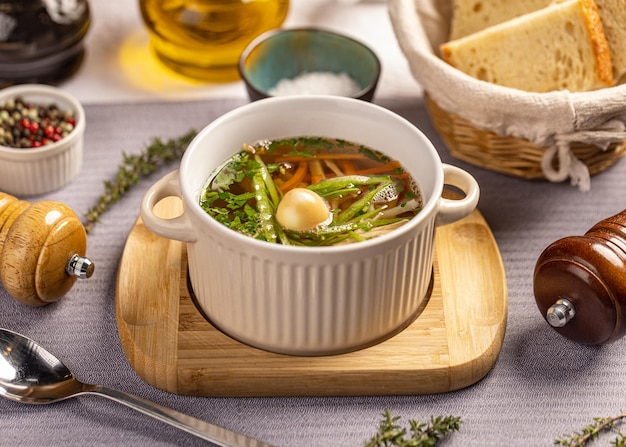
(306, 300)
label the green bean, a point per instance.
(282, 236)
(383, 222)
(327, 235)
(264, 208)
(336, 229)
(269, 182)
(339, 193)
(360, 205)
(328, 186)
(356, 236)
(368, 215)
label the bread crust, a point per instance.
(599, 43)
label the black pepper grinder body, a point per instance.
(580, 283)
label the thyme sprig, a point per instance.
(133, 168)
(422, 434)
(593, 431)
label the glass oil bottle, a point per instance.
(203, 39)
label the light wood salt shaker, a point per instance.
(42, 250)
(580, 283)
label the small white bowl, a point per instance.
(34, 171)
(286, 54)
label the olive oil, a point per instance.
(203, 39)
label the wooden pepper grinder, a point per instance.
(580, 283)
(42, 249)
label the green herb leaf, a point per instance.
(593, 431)
(390, 433)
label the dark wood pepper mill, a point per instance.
(42, 250)
(580, 283)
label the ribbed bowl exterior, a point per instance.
(39, 175)
(320, 304)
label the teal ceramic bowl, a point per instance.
(308, 61)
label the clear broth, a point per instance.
(367, 192)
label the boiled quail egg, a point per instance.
(302, 209)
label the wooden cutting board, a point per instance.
(454, 342)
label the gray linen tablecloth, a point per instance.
(542, 386)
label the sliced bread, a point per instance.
(561, 46)
(469, 16)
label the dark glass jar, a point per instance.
(41, 40)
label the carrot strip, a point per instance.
(403, 176)
(296, 178)
(346, 166)
(381, 168)
(317, 171)
(330, 156)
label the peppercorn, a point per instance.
(25, 125)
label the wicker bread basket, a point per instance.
(507, 154)
(554, 136)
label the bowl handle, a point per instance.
(178, 228)
(451, 210)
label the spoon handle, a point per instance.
(218, 435)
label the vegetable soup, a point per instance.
(311, 191)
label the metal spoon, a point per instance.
(30, 374)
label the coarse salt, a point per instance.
(318, 83)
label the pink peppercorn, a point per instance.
(27, 125)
